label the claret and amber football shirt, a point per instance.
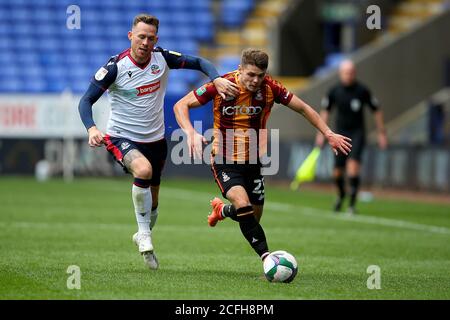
(237, 121)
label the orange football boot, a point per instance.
(216, 214)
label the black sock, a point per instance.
(252, 230)
(228, 210)
(354, 186)
(340, 183)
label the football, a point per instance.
(280, 266)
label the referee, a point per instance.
(349, 98)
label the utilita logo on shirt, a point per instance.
(148, 88)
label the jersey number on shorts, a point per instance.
(258, 189)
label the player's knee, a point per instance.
(338, 172)
(241, 203)
(143, 171)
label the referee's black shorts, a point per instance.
(358, 144)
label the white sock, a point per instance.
(142, 200)
(153, 217)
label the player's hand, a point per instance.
(320, 140)
(226, 88)
(195, 144)
(95, 137)
(382, 140)
(339, 142)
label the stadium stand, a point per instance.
(34, 33)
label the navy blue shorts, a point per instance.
(155, 152)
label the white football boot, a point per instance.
(144, 243)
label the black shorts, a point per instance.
(246, 175)
(155, 152)
(358, 143)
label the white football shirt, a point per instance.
(136, 94)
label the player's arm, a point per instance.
(104, 77)
(181, 110)
(379, 119)
(336, 141)
(320, 138)
(379, 122)
(177, 60)
(327, 103)
(90, 97)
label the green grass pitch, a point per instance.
(46, 227)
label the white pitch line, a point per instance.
(313, 212)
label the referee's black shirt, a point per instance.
(349, 102)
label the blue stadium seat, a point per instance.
(42, 15)
(178, 5)
(74, 59)
(176, 87)
(57, 72)
(27, 58)
(78, 86)
(10, 71)
(50, 60)
(56, 57)
(228, 63)
(180, 18)
(21, 29)
(201, 5)
(89, 16)
(205, 34)
(7, 57)
(239, 10)
(97, 60)
(10, 85)
(56, 85)
(5, 15)
(46, 30)
(20, 15)
(41, 3)
(48, 45)
(159, 5)
(18, 3)
(34, 85)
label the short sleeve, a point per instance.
(371, 101)
(106, 75)
(281, 94)
(327, 101)
(205, 93)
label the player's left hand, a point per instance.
(226, 88)
(339, 142)
(195, 144)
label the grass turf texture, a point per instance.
(45, 227)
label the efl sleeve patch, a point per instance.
(100, 74)
(205, 93)
(200, 91)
